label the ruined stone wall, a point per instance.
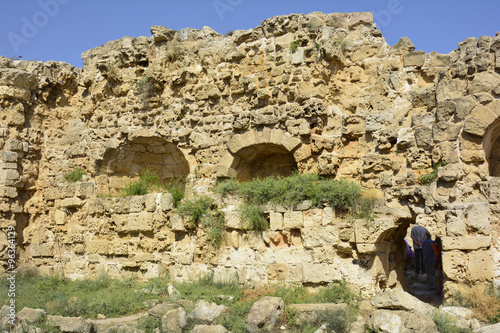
(320, 93)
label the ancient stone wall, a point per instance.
(320, 93)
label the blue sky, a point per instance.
(62, 29)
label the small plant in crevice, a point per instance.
(342, 44)
(294, 46)
(204, 213)
(445, 323)
(148, 180)
(317, 45)
(176, 188)
(145, 87)
(431, 176)
(226, 187)
(254, 217)
(175, 52)
(75, 175)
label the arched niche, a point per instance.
(259, 153)
(145, 152)
(491, 145)
(263, 160)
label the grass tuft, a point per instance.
(75, 175)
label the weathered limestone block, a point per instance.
(485, 82)
(438, 60)
(466, 243)
(414, 58)
(484, 114)
(263, 314)
(234, 220)
(162, 34)
(98, 246)
(206, 313)
(321, 273)
(174, 320)
(71, 324)
(423, 137)
(137, 222)
(454, 265)
(475, 126)
(209, 329)
(449, 172)
(276, 221)
(9, 156)
(318, 236)
(445, 132)
(480, 267)
(354, 126)
(277, 272)
(406, 138)
(308, 313)
(31, 316)
(42, 250)
(293, 220)
(450, 89)
(455, 223)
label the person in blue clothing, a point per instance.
(429, 260)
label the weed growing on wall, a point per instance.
(254, 218)
(148, 180)
(431, 176)
(75, 175)
(205, 213)
(294, 46)
(144, 87)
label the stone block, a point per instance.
(138, 222)
(9, 156)
(97, 247)
(8, 192)
(7, 165)
(480, 267)
(276, 221)
(277, 272)
(9, 174)
(293, 220)
(320, 273)
(484, 114)
(466, 243)
(438, 60)
(295, 273)
(414, 58)
(449, 172)
(313, 218)
(71, 202)
(455, 223)
(177, 222)
(234, 221)
(136, 203)
(320, 236)
(477, 217)
(423, 137)
(166, 202)
(151, 200)
(60, 217)
(450, 89)
(84, 189)
(42, 250)
(454, 265)
(485, 82)
(445, 132)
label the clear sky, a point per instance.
(62, 29)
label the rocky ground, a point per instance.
(392, 311)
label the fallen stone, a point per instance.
(398, 299)
(206, 313)
(174, 320)
(31, 316)
(263, 314)
(209, 329)
(71, 324)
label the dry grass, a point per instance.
(483, 302)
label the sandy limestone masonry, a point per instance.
(320, 93)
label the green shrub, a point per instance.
(148, 180)
(208, 289)
(176, 188)
(447, 324)
(205, 213)
(294, 46)
(196, 209)
(226, 187)
(149, 324)
(254, 217)
(431, 176)
(75, 175)
(87, 298)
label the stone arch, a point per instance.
(154, 153)
(491, 145)
(259, 153)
